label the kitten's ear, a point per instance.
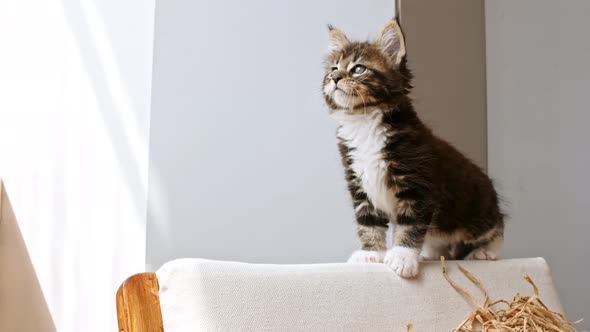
(338, 39)
(391, 41)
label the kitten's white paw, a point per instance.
(366, 256)
(482, 254)
(404, 261)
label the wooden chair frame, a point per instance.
(138, 304)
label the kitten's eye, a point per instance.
(334, 68)
(358, 69)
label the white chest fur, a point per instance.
(366, 137)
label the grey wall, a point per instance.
(244, 164)
(538, 115)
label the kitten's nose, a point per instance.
(336, 76)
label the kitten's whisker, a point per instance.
(359, 93)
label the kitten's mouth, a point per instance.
(343, 98)
(343, 91)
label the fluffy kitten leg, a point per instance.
(373, 245)
(489, 246)
(490, 250)
(412, 217)
(372, 227)
(403, 258)
(371, 231)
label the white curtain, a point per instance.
(74, 138)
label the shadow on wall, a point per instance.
(22, 305)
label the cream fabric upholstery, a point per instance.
(203, 295)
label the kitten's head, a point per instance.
(364, 75)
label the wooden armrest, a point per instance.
(138, 304)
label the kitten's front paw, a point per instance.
(404, 261)
(482, 254)
(366, 256)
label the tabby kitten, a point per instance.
(397, 170)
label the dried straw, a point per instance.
(524, 313)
